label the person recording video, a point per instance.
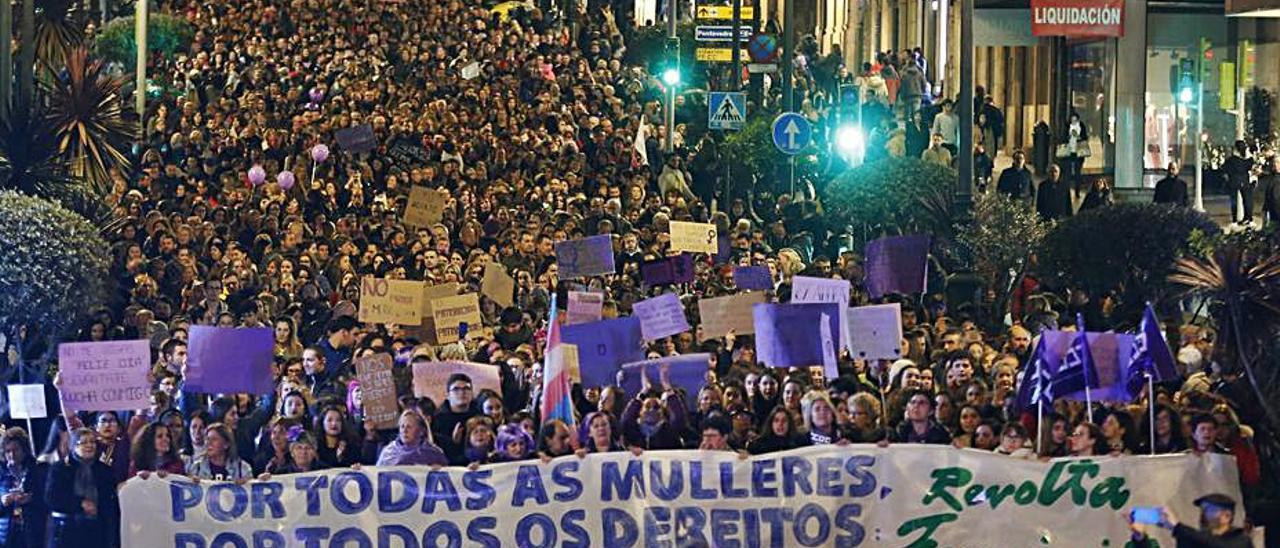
(1217, 511)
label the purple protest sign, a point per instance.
(786, 334)
(752, 277)
(230, 360)
(687, 371)
(668, 270)
(356, 139)
(104, 376)
(585, 257)
(897, 264)
(604, 346)
(661, 316)
(724, 249)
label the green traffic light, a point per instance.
(671, 76)
(1186, 95)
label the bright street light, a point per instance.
(850, 140)
(671, 76)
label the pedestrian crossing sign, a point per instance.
(726, 110)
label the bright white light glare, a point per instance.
(671, 77)
(849, 139)
(1185, 95)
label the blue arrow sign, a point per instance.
(791, 133)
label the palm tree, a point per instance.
(31, 162)
(87, 114)
(59, 30)
(1240, 281)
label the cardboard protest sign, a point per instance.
(719, 315)
(356, 139)
(785, 333)
(661, 316)
(667, 270)
(687, 371)
(604, 346)
(231, 360)
(427, 331)
(378, 390)
(584, 307)
(425, 207)
(875, 331)
(752, 277)
(693, 237)
(26, 401)
(390, 301)
(498, 285)
(451, 312)
(105, 376)
(824, 290)
(585, 257)
(431, 379)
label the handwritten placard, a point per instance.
(431, 379)
(427, 331)
(585, 257)
(731, 313)
(693, 237)
(584, 307)
(876, 331)
(105, 376)
(378, 390)
(390, 301)
(661, 316)
(26, 401)
(451, 312)
(824, 290)
(498, 285)
(425, 207)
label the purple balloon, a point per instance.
(320, 153)
(285, 180)
(257, 175)
(316, 95)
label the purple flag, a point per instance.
(585, 257)
(603, 347)
(1150, 356)
(897, 264)
(230, 360)
(785, 333)
(668, 270)
(687, 371)
(724, 249)
(752, 277)
(1077, 370)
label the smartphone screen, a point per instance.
(1146, 516)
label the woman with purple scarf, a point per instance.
(412, 446)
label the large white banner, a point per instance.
(819, 496)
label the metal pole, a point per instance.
(966, 102)
(140, 37)
(1151, 410)
(669, 144)
(735, 68)
(788, 53)
(27, 57)
(1199, 148)
(6, 57)
(756, 80)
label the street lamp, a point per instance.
(671, 76)
(851, 143)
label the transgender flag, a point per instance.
(556, 400)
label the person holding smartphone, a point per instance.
(1217, 511)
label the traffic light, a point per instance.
(671, 68)
(1206, 59)
(1186, 80)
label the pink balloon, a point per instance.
(257, 175)
(320, 153)
(285, 180)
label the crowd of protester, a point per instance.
(538, 147)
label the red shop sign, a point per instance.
(1077, 18)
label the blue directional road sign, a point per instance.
(726, 110)
(791, 133)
